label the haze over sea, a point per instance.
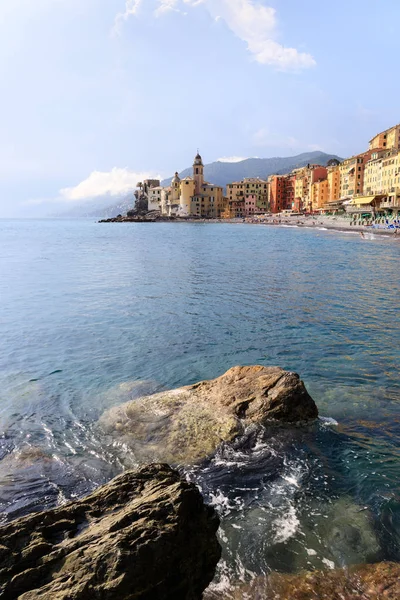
(86, 307)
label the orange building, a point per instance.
(333, 175)
(319, 194)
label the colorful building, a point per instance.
(241, 195)
(333, 176)
(352, 175)
(276, 193)
(391, 182)
(192, 196)
(387, 140)
(305, 178)
(319, 194)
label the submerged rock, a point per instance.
(145, 535)
(188, 424)
(379, 581)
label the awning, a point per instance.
(362, 200)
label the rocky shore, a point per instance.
(380, 581)
(187, 425)
(148, 535)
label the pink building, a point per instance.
(250, 205)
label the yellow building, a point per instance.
(373, 173)
(381, 193)
(387, 140)
(305, 178)
(391, 181)
(301, 184)
(187, 189)
(208, 199)
(192, 196)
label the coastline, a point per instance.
(324, 222)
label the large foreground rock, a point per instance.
(147, 535)
(379, 581)
(188, 424)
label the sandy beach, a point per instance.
(338, 223)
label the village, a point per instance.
(363, 187)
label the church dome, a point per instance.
(176, 178)
(198, 159)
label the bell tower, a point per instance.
(198, 174)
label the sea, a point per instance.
(93, 314)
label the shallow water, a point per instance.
(87, 310)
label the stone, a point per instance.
(380, 581)
(187, 425)
(146, 535)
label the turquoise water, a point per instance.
(85, 307)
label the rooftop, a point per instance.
(383, 132)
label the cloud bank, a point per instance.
(231, 159)
(249, 20)
(99, 183)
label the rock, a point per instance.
(186, 425)
(379, 581)
(146, 535)
(124, 392)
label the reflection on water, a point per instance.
(92, 316)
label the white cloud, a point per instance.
(166, 6)
(256, 25)
(231, 159)
(250, 20)
(131, 10)
(113, 183)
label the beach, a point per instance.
(338, 223)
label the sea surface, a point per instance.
(91, 314)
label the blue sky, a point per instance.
(97, 94)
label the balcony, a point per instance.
(390, 203)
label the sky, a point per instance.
(99, 94)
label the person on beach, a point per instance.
(362, 234)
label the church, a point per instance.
(192, 196)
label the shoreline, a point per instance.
(321, 222)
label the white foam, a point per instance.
(286, 526)
(222, 504)
(328, 421)
(329, 563)
(291, 480)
